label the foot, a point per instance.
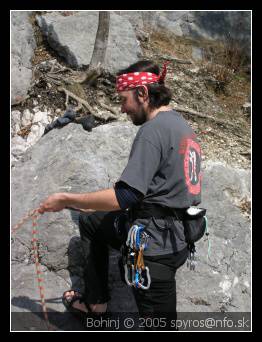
(77, 304)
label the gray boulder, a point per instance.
(22, 50)
(86, 165)
(226, 272)
(74, 160)
(219, 24)
(73, 37)
(214, 25)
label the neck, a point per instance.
(154, 112)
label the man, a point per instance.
(162, 178)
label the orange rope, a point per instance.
(34, 214)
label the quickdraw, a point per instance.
(34, 214)
(136, 273)
(192, 259)
(192, 255)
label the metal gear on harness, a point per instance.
(192, 255)
(192, 260)
(136, 273)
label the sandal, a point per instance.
(68, 303)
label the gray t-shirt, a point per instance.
(164, 165)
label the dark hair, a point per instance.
(159, 94)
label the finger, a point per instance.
(41, 210)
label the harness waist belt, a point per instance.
(146, 210)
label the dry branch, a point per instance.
(176, 60)
(201, 115)
(82, 102)
(103, 105)
(226, 124)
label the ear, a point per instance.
(142, 93)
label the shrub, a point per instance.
(224, 60)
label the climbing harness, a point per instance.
(136, 273)
(34, 214)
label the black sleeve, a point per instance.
(126, 195)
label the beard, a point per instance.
(138, 118)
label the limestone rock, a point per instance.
(74, 160)
(15, 122)
(22, 50)
(73, 38)
(26, 118)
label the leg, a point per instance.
(97, 232)
(160, 299)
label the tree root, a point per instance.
(82, 102)
(110, 109)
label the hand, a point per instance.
(55, 202)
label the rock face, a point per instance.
(37, 122)
(74, 160)
(69, 159)
(22, 50)
(73, 37)
(193, 24)
(227, 273)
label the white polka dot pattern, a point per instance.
(136, 79)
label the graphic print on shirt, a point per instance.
(192, 157)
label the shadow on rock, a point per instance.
(33, 320)
(76, 259)
(76, 263)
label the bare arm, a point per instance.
(104, 200)
(79, 209)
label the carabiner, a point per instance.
(132, 275)
(148, 280)
(138, 237)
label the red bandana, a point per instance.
(137, 79)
